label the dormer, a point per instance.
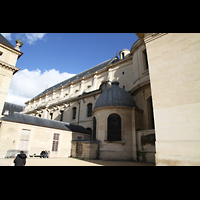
(123, 53)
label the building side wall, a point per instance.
(175, 81)
(40, 138)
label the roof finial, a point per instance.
(116, 54)
(18, 44)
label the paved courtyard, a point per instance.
(71, 162)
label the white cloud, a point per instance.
(30, 38)
(7, 36)
(33, 37)
(26, 84)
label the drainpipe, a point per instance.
(79, 102)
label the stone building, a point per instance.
(8, 58)
(73, 99)
(142, 106)
(175, 82)
(33, 134)
(76, 100)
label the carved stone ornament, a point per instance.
(18, 44)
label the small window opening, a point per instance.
(123, 55)
(61, 115)
(146, 60)
(55, 142)
(89, 110)
(74, 113)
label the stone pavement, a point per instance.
(71, 162)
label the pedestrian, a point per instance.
(48, 154)
(20, 160)
(45, 154)
(42, 154)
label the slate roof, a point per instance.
(37, 121)
(115, 96)
(3, 40)
(78, 76)
(11, 107)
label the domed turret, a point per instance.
(115, 96)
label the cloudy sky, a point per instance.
(49, 58)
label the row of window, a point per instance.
(89, 111)
(74, 109)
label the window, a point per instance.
(123, 55)
(123, 73)
(55, 142)
(89, 129)
(94, 128)
(79, 137)
(150, 113)
(114, 128)
(146, 66)
(89, 110)
(74, 113)
(124, 87)
(61, 115)
(51, 115)
(23, 144)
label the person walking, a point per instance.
(20, 160)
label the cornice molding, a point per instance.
(19, 53)
(153, 36)
(9, 67)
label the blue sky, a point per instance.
(49, 58)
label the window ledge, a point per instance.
(116, 142)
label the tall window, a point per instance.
(61, 115)
(55, 142)
(150, 113)
(89, 110)
(74, 113)
(146, 65)
(51, 115)
(114, 128)
(23, 144)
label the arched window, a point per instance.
(94, 128)
(150, 113)
(89, 110)
(74, 113)
(114, 128)
(89, 129)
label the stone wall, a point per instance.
(175, 81)
(85, 149)
(146, 145)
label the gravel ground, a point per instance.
(71, 162)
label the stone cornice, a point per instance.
(148, 37)
(153, 36)
(19, 53)
(9, 67)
